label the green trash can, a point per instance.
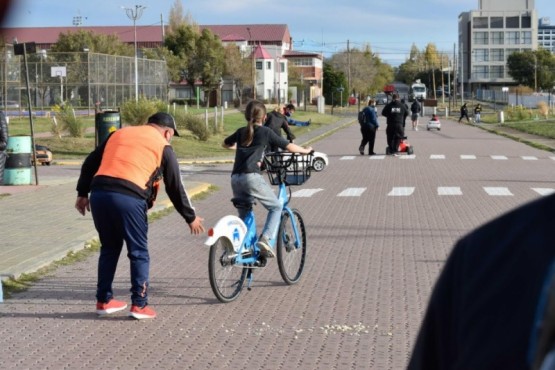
(17, 170)
(105, 123)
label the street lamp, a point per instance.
(135, 14)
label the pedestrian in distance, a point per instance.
(122, 176)
(396, 113)
(277, 121)
(3, 144)
(368, 127)
(289, 110)
(477, 113)
(464, 113)
(408, 109)
(247, 182)
(492, 305)
(415, 112)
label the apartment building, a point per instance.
(546, 34)
(488, 35)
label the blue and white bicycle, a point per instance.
(233, 251)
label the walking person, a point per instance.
(396, 113)
(477, 113)
(3, 145)
(277, 121)
(408, 109)
(415, 112)
(368, 128)
(122, 176)
(247, 182)
(464, 113)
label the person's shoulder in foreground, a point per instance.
(483, 307)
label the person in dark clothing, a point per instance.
(484, 306)
(288, 111)
(369, 127)
(3, 144)
(122, 175)
(396, 113)
(277, 121)
(415, 112)
(408, 110)
(464, 113)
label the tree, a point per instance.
(333, 80)
(535, 69)
(87, 40)
(237, 68)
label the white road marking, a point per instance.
(381, 156)
(352, 192)
(407, 156)
(499, 157)
(544, 191)
(347, 158)
(552, 158)
(449, 190)
(468, 156)
(498, 191)
(529, 158)
(437, 156)
(305, 193)
(401, 192)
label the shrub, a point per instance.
(67, 121)
(136, 113)
(543, 108)
(194, 124)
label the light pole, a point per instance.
(43, 56)
(253, 64)
(135, 14)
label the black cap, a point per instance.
(163, 119)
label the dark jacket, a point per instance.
(3, 144)
(415, 107)
(277, 121)
(396, 113)
(371, 116)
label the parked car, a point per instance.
(381, 98)
(43, 154)
(10, 104)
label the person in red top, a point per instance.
(122, 176)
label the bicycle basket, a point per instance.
(288, 168)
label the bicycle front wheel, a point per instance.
(226, 277)
(291, 259)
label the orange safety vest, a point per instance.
(134, 154)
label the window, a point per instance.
(526, 21)
(480, 55)
(480, 22)
(526, 37)
(259, 65)
(513, 37)
(480, 72)
(496, 22)
(480, 38)
(496, 71)
(269, 66)
(497, 55)
(497, 38)
(513, 22)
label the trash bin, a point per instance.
(105, 123)
(19, 162)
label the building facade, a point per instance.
(546, 34)
(488, 36)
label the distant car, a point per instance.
(10, 104)
(43, 154)
(381, 99)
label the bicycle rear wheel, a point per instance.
(226, 277)
(290, 259)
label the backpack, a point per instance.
(362, 119)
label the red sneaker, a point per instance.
(142, 313)
(111, 307)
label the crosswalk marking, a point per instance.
(552, 158)
(437, 156)
(347, 158)
(381, 156)
(305, 193)
(544, 191)
(352, 192)
(499, 157)
(498, 191)
(529, 158)
(449, 190)
(408, 156)
(401, 192)
(468, 156)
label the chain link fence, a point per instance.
(82, 79)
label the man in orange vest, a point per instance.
(122, 176)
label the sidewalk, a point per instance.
(40, 224)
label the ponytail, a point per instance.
(254, 113)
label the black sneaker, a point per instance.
(361, 150)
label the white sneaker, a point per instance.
(264, 245)
(416, 129)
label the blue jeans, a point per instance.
(297, 123)
(250, 186)
(118, 218)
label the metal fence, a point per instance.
(82, 79)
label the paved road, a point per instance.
(378, 230)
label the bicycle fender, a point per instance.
(230, 227)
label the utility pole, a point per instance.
(135, 14)
(253, 64)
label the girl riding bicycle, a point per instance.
(247, 182)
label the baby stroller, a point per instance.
(404, 147)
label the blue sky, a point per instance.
(390, 27)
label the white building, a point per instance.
(546, 34)
(488, 35)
